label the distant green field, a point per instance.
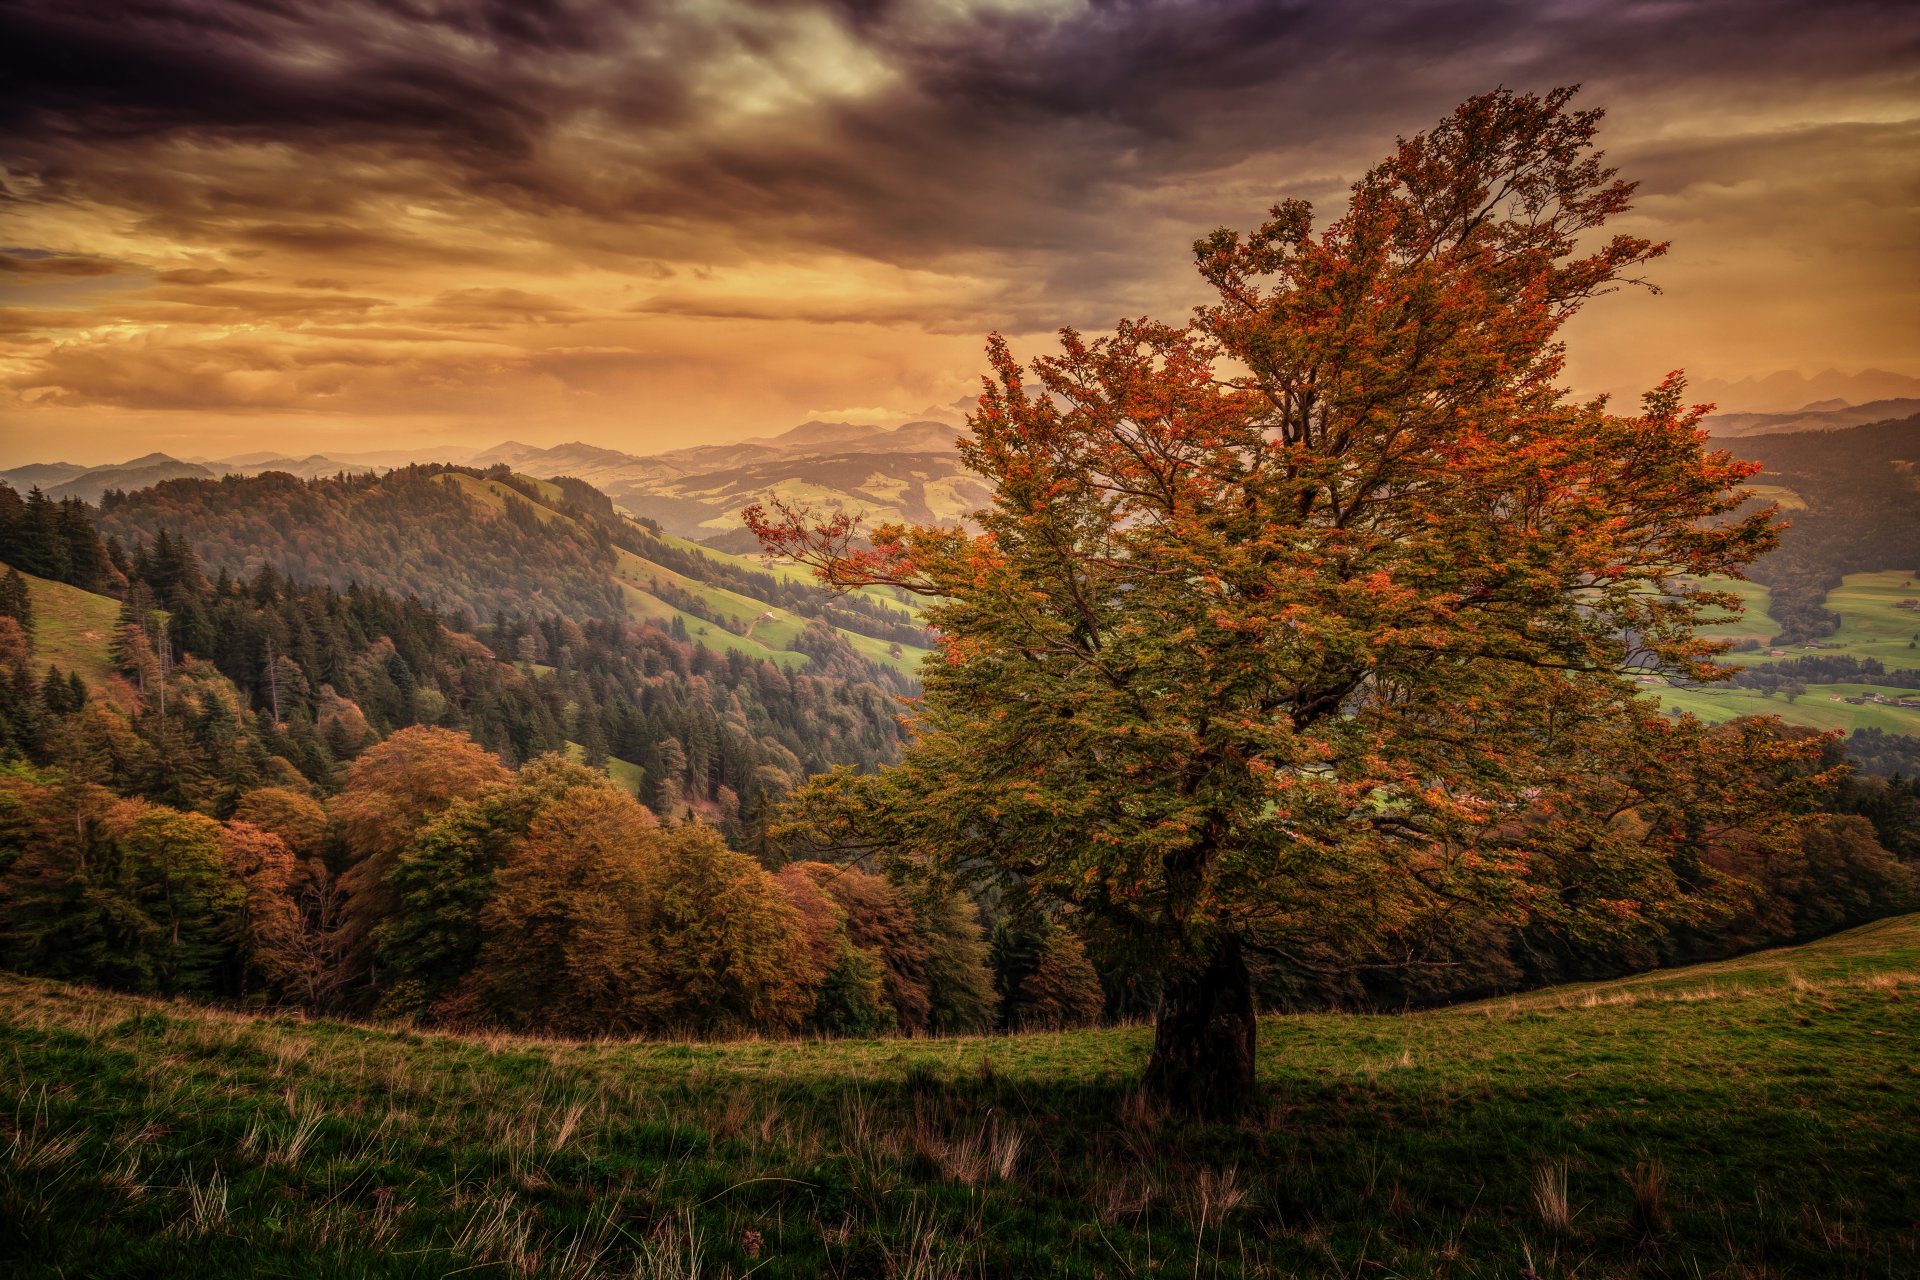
(73, 630)
(744, 629)
(749, 631)
(1817, 708)
(1754, 623)
(1871, 626)
(650, 608)
(493, 494)
(1751, 1119)
(1785, 498)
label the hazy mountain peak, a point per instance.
(1790, 391)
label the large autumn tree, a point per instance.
(1320, 616)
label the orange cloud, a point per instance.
(659, 225)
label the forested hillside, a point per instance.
(491, 547)
(411, 532)
(247, 674)
(1852, 498)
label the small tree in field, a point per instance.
(1318, 617)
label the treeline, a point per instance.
(1852, 857)
(1890, 755)
(1823, 669)
(439, 885)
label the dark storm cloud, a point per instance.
(1002, 129)
(691, 184)
(244, 69)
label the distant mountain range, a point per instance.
(1822, 415)
(1789, 391)
(71, 480)
(910, 472)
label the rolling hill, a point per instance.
(911, 472)
(1752, 1117)
(1823, 415)
(478, 543)
(1876, 622)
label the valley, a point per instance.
(1879, 619)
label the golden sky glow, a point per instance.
(371, 224)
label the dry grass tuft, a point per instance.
(206, 1205)
(501, 1234)
(1648, 1183)
(1550, 1199)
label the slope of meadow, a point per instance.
(1749, 1118)
(73, 629)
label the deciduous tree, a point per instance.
(1326, 606)
(393, 790)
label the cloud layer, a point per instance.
(656, 223)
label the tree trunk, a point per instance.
(1203, 1035)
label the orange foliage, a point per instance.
(392, 791)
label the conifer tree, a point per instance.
(16, 600)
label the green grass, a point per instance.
(1765, 1109)
(628, 775)
(1754, 623)
(73, 630)
(1814, 709)
(1871, 626)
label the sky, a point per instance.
(351, 225)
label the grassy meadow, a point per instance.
(1755, 1118)
(1872, 625)
(73, 629)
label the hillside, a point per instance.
(408, 533)
(1746, 1118)
(1852, 510)
(477, 544)
(912, 473)
(1818, 416)
(72, 630)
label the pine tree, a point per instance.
(16, 600)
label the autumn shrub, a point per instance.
(851, 998)
(730, 950)
(1046, 981)
(442, 881)
(298, 819)
(567, 940)
(391, 791)
(880, 922)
